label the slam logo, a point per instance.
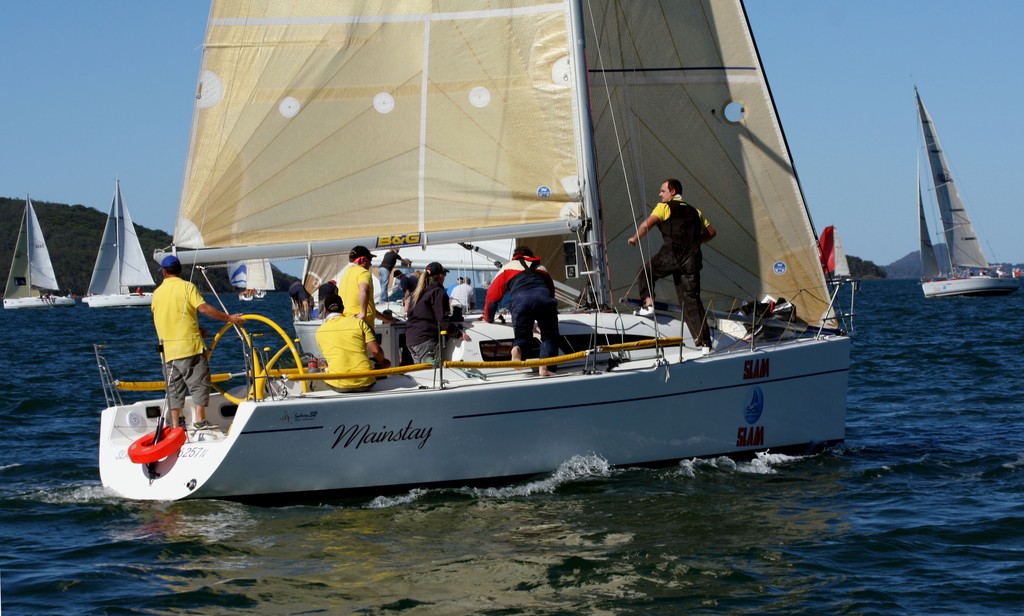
(754, 435)
(756, 406)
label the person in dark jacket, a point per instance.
(428, 315)
(531, 298)
(683, 228)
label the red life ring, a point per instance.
(143, 451)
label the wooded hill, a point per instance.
(73, 234)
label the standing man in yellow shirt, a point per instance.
(683, 229)
(176, 304)
(356, 288)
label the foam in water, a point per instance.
(763, 464)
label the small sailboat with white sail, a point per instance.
(121, 268)
(31, 282)
(967, 270)
(488, 122)
(254, 276)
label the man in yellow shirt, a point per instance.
(684, 228)
(343, 342)
(356, 288)
(176, 304)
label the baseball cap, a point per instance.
(360, 251)
(332, 303)
(170, 261)
(436, 268)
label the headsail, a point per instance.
(678, 91)
(120, 262)
(961, 241)
(320, 123)
(929, 265)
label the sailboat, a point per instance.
(120, 262)
(255, 276)
(316, 129)
(968, 271)
(31, 277)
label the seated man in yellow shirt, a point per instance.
(344, 342)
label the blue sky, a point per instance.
(101, 90)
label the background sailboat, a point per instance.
(31, 278)
(254, 276)
(121, 268)
(968, 268)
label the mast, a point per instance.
(118, 234)
(591, 203)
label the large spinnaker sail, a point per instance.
(678, 91)
(929, 264)
(961, 241)
(320, 122)
(120, 262)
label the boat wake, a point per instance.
(573, 469)
(764, 463)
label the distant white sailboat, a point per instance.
(31, 277)
(254, 276)
(969, 269)
(120, 263)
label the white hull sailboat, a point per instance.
(31, 277)
(120, 262)
(967, 272)
(449, 151)
(254, 276)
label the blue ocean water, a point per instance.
(919, 512)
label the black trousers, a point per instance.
(687, 288)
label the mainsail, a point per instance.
(120, 262)
(321, 125)
(961, 241)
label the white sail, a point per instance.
(121, 266)
(929, 264)
(961, 241)
(842, 264)
(31, 275)
(472, 142)
(42, 275)
(31, 268)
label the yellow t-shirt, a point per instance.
(343, 341)
(174, 307)
(348, 289)
(662, 211)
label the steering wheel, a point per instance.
(261, 374)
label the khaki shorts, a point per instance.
(188, 375)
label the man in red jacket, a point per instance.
(531, 298)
